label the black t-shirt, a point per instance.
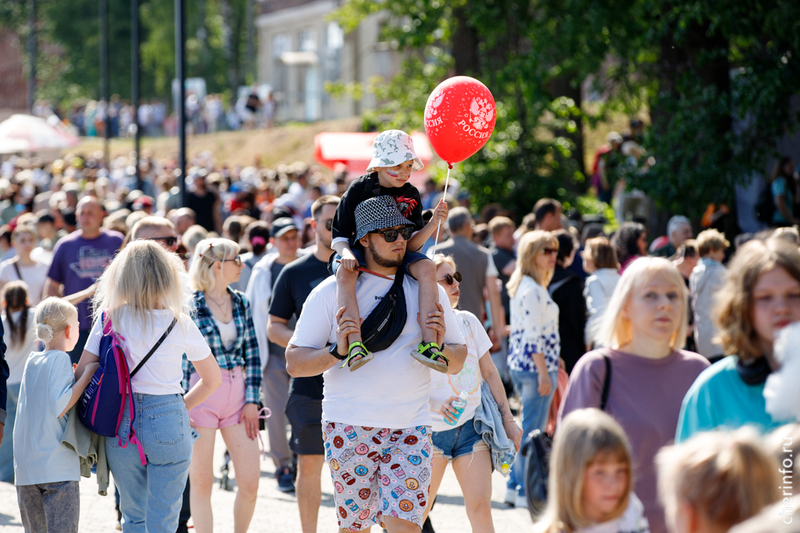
(290, 291)
(366, 187)
(203, 206)
(275, 271)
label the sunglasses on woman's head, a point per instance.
(390, 235)
(550, 251)
(449, 278)
(169, 241)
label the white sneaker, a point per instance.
(521, 502)
(511, 496)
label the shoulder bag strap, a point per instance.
(606, 383)
(16, 267)
(154, 348)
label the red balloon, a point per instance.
(459, 118)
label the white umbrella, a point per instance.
(13, 146)
(36, 134)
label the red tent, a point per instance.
(354, 151)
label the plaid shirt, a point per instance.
(244, 351)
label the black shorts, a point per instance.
(305, 418)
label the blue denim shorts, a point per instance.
(456, 442)
(358, 252)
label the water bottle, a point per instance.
(459, 405)
(505, 468)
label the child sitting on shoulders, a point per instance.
(590, 486)
(393, 162)
(46, 472)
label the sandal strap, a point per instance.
(350, 355)
(425, 350)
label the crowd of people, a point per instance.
(204, 114)
(389, 348)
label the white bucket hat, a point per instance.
(392, 148)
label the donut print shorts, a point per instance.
(378, 472)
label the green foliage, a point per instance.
(673, 57)
(68, 66)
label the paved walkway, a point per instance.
(277, 512)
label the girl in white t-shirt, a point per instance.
(142, 291)
(590, 487)
(22, 267)
(454, 437)
(223, 316)
(19, 335)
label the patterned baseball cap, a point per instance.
(391, 148)
(379, 212)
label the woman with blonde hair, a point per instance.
(534, 345)
(454, 436)
(223, 316)
(716, 480)
(146, 296)
(643, 328)
(590, 486)
(760, 297)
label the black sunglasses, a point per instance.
(329, 225)
(169, 241)
(390, 235)
(449, 278)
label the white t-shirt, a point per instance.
(631, 521)
(162, 373)
(227, 332)
(468, 380)
(34, 276)
(391, 391)
(17, 355)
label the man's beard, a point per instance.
(383, 261)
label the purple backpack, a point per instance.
(103, 402)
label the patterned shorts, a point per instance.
(378, 471)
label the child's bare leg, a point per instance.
(425, 273)
(346, 297)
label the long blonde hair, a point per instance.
(206, 254)
(584, 437)
(615, 330)
(531, 245)
(142, 277)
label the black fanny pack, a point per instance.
(385, 323)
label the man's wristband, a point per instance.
(334, 351)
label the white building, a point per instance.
(300, 49)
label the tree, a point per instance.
(717, 81)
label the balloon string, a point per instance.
(444, 197)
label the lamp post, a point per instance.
(31, 54)
(137, 136)
(104, 74)
(180, 67)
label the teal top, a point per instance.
(718, 399)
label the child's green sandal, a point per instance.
(431, 356)
(357, 356)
